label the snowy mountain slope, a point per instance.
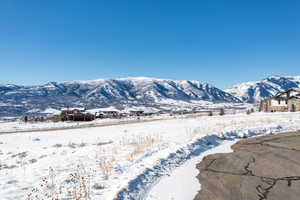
(17, 100)
(251, 92)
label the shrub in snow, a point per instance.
(32, 160)
(98, 186)
(57, 145)
(20, 155)
(72, 145)
(106, 165)
(76, 187)
(12, 182)
(82, 144)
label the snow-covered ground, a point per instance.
(118, 162)
(22, 126)
(182, 182)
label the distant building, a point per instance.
(282, 102)
(109, 114)
(137, 113)
(74, 114)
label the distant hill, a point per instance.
(16, 100)
(252, 92)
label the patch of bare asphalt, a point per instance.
(262, 168)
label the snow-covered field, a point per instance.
(118, 162)
(21, 126)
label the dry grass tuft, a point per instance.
(140, 145)
(76, 187)
(81, 185)
(106, 165)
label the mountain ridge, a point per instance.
(99, 93)
(121, 93)
(255, 91)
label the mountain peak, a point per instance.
(255, 91)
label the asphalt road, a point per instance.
(260, 168)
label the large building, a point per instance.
(288, 101)
(74, 114)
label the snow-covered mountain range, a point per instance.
(252, 92)
(119, 93)
(124, 93)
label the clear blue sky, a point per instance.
(215, 41)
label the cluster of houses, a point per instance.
(80, 114)
(288, 101)
(74, 114)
